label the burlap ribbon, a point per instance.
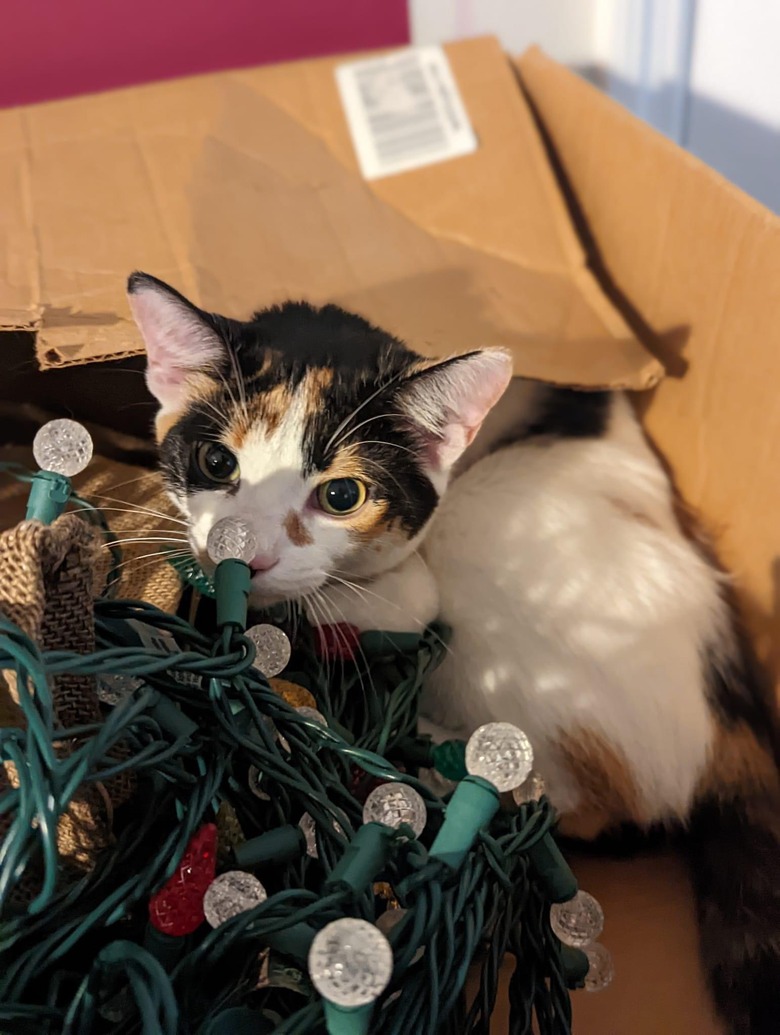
(48, 581)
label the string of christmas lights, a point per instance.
(281, 866)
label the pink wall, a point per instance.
(57, 48)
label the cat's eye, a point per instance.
(341, 496)
(216, 463)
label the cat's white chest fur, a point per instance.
(577, 607)
(579, 610)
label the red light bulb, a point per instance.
(177, 908)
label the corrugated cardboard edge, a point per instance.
(704, 256)
(63, 345)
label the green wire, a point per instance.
(74, 940)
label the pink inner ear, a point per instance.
(458, 398)
(178, 342)
(166, 383)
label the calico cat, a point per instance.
(386, 489)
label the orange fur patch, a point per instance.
(369, 522)
(738, 765)
(608, 793)
(266, 409)
(199, 387)
(296, 531)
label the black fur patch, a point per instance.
(738, 689)
(359, 406)
(735, 855)
(566, 413)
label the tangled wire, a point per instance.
(208, 740)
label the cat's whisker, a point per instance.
(132, 528)
(222, 419)
(364, 591)
(150, 531)
(341, 639)
(318, 617)
(127, 481)
(144, 539)
(347, 646)
(351, 416)
(134, 508)
(156, 558)
(384, 471)
(240, 382)
(352, 431)
(391, 445)
(326, 612)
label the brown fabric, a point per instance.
(48, 577)
(135, 506)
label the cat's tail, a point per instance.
(735, 848)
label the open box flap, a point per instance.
(687, 249)
(242, 188)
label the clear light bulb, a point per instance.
(393, 804)
(231, 538)
(531, 789)
(232, 893)
(578, 921)
(312, 714)
(63, 447)
(601, 969)
(309, 828)
(500, 753)
(350, 962)
(272, 649)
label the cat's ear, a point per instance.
(178, 337)
(449, 401)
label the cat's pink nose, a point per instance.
(263, 562)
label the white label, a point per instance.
(404, 111)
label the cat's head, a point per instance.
(329, 436)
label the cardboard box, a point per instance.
(596, 250)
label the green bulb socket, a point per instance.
(278, 846)
(552, 870)
(171, 718)
(575, 966)
(449, 759)
(293, 941)
(49, 493)
(364, 857)
(473, 804)
(346, 1020)
(417, 751)
(167, 949)
(378, 642)
(232, 581)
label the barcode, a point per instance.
(404, 111)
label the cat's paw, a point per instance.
(405, 599)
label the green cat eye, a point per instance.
(341, 496)
(216, 463)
